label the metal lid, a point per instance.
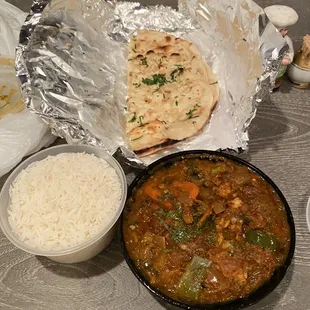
(281, 16)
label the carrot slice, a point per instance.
(189, 187)
(156, 193)
(192, 191)
(153, 191)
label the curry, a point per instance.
(206, 230)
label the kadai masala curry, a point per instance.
(206, 231)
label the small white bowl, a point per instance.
(81, 252)
(299, 76)
(308, 213)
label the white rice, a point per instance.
(63, 200)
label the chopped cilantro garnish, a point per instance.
(176, 102)
(168, 250)
(159, 79)
(136, 84)
(213, 83)
(180, 234)
(134, 117)
(141, 117)
(176, 72)
(143, 61)
(191, 111)
(137, 138)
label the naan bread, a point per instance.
(171, 91)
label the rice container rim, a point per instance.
(53, 151)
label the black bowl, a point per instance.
(239, 303)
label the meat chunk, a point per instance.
(257, 220)
(215, 280)
(222, 223)
(150, 246)
(250, 191)
(225, 190)
(260, 264)
(230, 266)
(219, 206)
(187, 215)
(235, 203)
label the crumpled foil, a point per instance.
(72, 61)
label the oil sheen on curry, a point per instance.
(206, 231)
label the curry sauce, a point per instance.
(206, 231)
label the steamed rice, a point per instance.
(64, 200)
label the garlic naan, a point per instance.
(171, 91)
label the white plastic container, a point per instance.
(91, 247)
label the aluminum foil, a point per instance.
(71, 61)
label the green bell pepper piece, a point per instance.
(262, 239)
(190, 283)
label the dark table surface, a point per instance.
(279, 145)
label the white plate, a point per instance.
(308, 213)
